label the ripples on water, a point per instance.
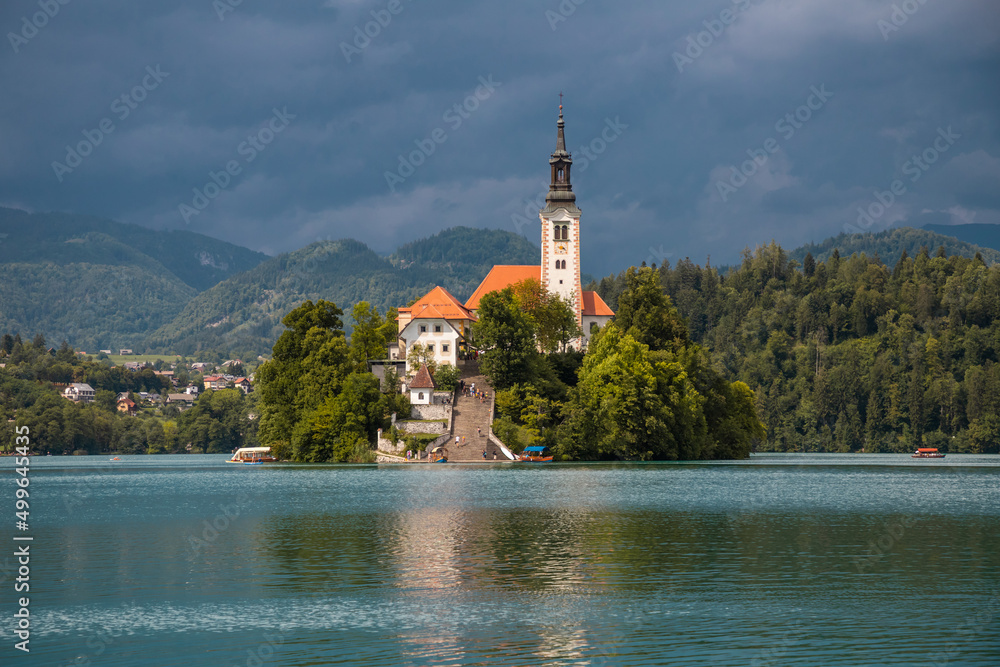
(781, 560)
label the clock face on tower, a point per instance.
(562, 248)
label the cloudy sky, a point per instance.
(389, 120)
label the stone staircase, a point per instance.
(468, 415)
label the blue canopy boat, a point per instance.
(536, 454)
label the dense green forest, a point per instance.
(219, 421)
(196, 260)
(103, 284)
(642, 391)
(242, 316)
(96, 306)
(319, 402)
(849, 353)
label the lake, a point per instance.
(779, 560)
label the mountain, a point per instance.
(196, 260)
(987, 236)
(242, 315)
(94, 306)
(889, 246)
(99, 283)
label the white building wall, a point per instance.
(589, 320)
(441, 339)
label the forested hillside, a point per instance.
(199, 261)
(850, 353)
(985, 235)
(95, 306)
(890, 244)
(242, 316)
(102, 284)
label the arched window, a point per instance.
(557, 233)
(420, 396)
(560, 176)
(557, 263)
(564, 264)
(565, 233)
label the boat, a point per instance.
(928, 453)
(536, 454)
(253, 456)
(115, 459)
(438, 455)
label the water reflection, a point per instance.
(598, 565)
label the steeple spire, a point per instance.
(561, 189)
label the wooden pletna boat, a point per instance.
(438, 455)
(928, 453)
(253, 456)
(536, 454)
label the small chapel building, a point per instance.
(440, 321)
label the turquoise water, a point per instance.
(780, 560)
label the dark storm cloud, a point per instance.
(692, 90)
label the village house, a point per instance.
(422, 387)
(243, 384)
(216, 382)
(79, 393)
(439, 322)
(127, 406)
(181, 401)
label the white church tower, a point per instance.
(561, 229)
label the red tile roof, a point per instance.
(593, 304)
(423, 379)
(438, 304)
(500, 277)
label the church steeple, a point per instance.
(561, 164)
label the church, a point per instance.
(443, 323)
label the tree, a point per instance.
(446, 377)
(552, 317)
(506, 336)
(309, 362)
(418, 355)
(809, 265)
(646, 314)
(106, 400)
(371, 335)
(617, 410)
(333, 430)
